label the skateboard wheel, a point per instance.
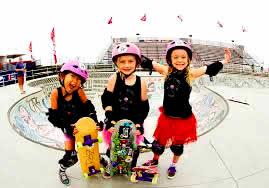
(86, 176)
(155, 179)
(102, 170)
(128, 159)
(100, 139)
(79, 145)
(133, 178)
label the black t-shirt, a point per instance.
(176, 96)
(126, 99)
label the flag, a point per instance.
(30, 49)
(219, 24)
(110, 21)
(244, 29)
(144, 18)
(180, 18)
(52, 36)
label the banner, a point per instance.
(52, 36)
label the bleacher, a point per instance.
(204, 52)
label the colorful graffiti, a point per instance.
(28, 116)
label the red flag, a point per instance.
(30, 49)
(110, 21)
(219, 24)
(144, 18)
(244, 29)
(180, 18)
(52, 36)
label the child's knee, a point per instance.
(177, 149)
(157, 148)
(69, 159)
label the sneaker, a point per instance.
(64, 178)
(106, 174)
(151, 163)
(171, 172)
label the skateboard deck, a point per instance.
(87, 146)
(123, 144)
(145, 173)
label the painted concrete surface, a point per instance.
(234, 154)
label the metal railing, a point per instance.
(11, 77)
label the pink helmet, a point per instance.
(126, 48)
(178, 44)
(76, 67)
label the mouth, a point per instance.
(126, 70)
(180, 64)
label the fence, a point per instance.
(10, 77)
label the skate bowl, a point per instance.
(28, 115)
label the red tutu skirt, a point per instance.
(175, 130)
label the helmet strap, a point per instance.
(126, 75)
(62, 84)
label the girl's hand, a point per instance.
(111, 130)
(227, 56)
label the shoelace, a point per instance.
(63, 176)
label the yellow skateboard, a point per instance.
(87, 140)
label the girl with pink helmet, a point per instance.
(176, 124)
(125, 96)
(69, 103)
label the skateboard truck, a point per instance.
(145, 173)
(88, 141)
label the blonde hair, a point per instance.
(187, 73)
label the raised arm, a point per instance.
(212, 69)
(150, 64)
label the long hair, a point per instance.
(171, 69)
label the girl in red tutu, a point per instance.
(125, 96)
(176, 125)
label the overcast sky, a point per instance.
(81, 27)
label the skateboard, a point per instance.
(123, 144)
(87, 146)
(145, 173)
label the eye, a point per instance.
(75, 66)
(173, 42)
(127, 45)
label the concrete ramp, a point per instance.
(28, 118)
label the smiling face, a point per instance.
(126, 64)
(71, 82)
(180, 59)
